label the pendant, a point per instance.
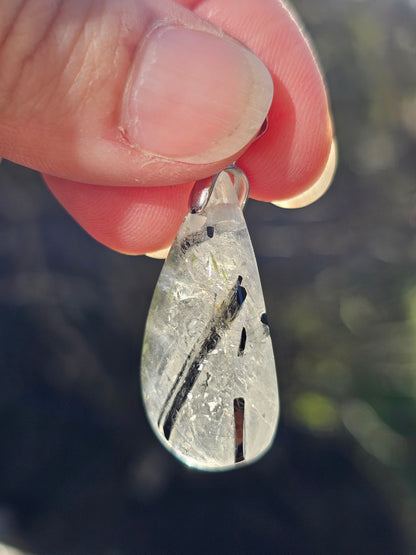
(208, 374)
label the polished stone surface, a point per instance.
(208, 372)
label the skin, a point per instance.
(63, 69)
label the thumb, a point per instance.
(113, 92)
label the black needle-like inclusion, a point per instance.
(191, 369)
(239, 429)
(264, 319)
(243, 340)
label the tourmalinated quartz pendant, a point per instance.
(208, 373)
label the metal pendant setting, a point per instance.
(208, 374)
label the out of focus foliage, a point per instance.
(80, 471)
(349, 310)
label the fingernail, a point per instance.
(317, 189)
(162, 253)
(195, 97)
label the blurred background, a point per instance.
(80, 470)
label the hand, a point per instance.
(123, 104)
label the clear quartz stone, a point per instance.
(207, 372)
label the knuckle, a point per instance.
(24, 29)
(36, 51)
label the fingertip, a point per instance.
(130, 220)
(294, 152)
(316, 189)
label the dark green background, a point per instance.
(80, 470)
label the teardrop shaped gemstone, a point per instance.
(207, 372)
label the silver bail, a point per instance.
(203, 188)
